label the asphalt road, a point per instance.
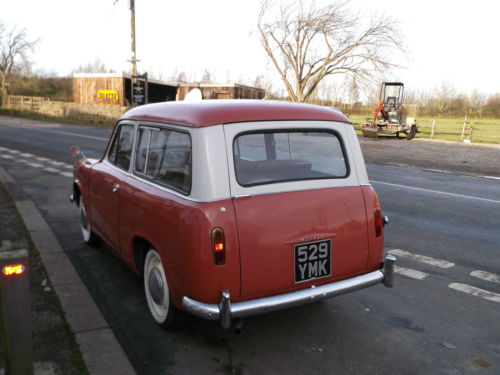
(442, 317)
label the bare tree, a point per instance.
(98, 66)
(445, 96)
(14, 49)
(307, 43)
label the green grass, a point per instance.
(485, 130)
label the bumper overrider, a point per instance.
(225, 311)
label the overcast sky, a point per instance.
(452, 41)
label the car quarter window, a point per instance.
(120, 151)
(270, 157)
(164, 156)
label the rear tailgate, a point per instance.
(285, 238)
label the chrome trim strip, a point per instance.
(283, 301)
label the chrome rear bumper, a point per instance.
(225, 311)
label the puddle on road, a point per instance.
(403, 323)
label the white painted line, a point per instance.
(486, 276)
(13, 151)
(437, 192)
(4, 149)
(58, 163)
(69, 166)
(25, 155)
(40, 158)
(492, 177)
(23, 161)
(7, 156)
(52, 170)
(422, 258)
(81, 135)
(490, 296)
(35, 165)
(414, 274)
(67, 174)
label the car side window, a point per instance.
(164, 156)
(121, 149)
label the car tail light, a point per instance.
(218, 247)
(377, 216)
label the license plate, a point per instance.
(313, 260)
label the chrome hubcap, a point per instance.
(156, 288)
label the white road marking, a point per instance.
(414, 274)
(486, 276)
(35, 165)
(492, 177)
(81, 135)
(490, 296)
(437, 192)
(44, 160)
(422, 258)
(58, 163)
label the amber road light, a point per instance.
(13, 270)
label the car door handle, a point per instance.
(116, 188)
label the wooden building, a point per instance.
(115, 89)
(221, 91)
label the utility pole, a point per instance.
(132, 36)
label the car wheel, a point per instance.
(156, 290)
(88, 235)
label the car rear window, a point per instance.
(164, 156)
(271, 157)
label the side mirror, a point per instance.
(75, 151)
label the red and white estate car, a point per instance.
(235, 208)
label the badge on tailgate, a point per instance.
(313, 260)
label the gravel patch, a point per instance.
(481, 159)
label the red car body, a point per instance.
(280, 239)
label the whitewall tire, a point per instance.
(157, 291)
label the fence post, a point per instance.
(463, 129)
(15, 312)
(470, 132)
(433, 130)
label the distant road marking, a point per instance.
(7, 156)
(414, 274)
(492, 177)
(490, 296)
(486, 276)
(81, 135)
(437, 192)
(26, 155)
(49, 169)
(67, 174)
(422, 258)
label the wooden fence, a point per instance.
(24, 102)
(483, 131)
